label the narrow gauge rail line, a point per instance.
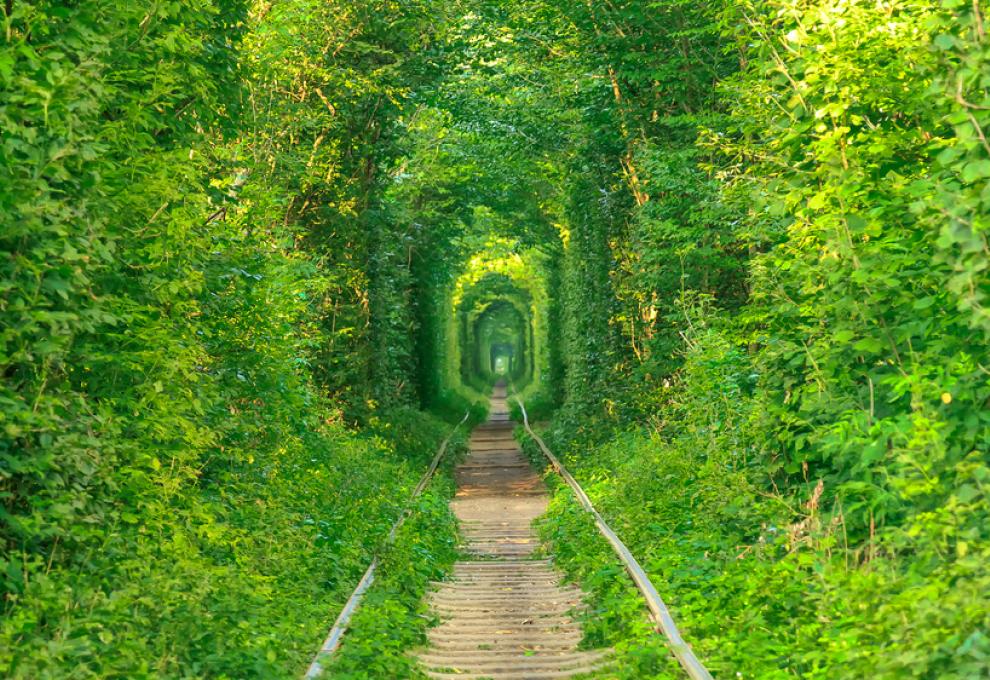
(505, 613)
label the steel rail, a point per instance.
(336, 634)
(659, 612)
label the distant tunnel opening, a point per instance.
(501, 345)
(498, 324)
(496, 333)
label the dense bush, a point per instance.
(765, 581)
(183, 349)
(795, 276)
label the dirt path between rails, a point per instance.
(505, 614)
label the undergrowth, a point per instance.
(394, 617)
(764, 581)
(239, 576)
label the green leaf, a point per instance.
(976, 170)
(872, 345)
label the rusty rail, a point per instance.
(336, 634)
(659, 612)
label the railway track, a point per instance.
(505, 613)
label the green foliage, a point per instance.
(741, 244)
(683, 242)
(240, 577)
(784, 292)
(182, 340)
(394, 617)
(763, 584)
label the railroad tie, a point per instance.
(505, 614)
